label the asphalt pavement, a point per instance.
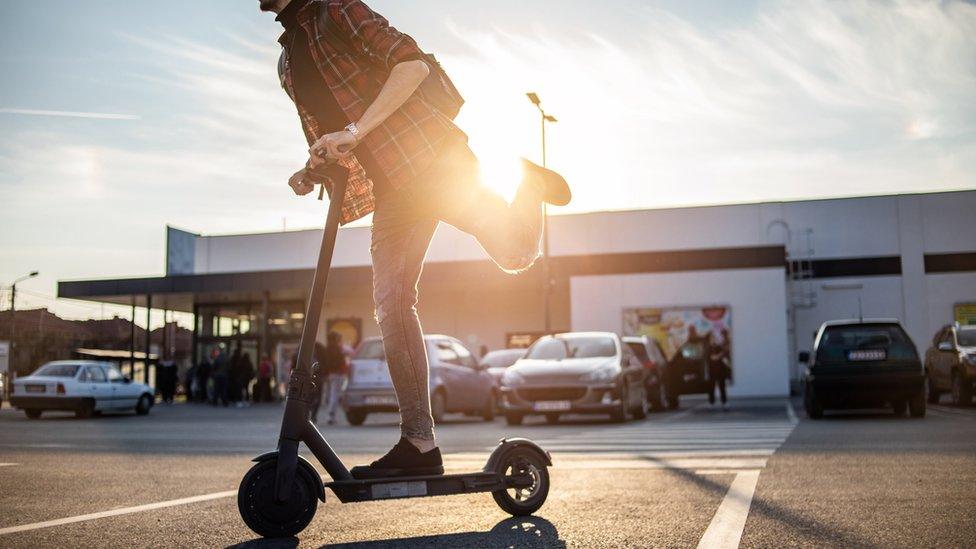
(753, 476)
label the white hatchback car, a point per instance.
(82, 386)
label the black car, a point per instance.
(687, 372)
(863, 364)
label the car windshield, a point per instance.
(966, 337)
(371, 349)
(558, 348)
(57, 370)
(639, 349)
(838, 341)
(502, 359)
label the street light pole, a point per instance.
(546, 277)
(13, 319)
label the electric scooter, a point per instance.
(279, 495)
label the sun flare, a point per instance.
(501, 171)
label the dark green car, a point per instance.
(863, 364)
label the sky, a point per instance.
(118, 118)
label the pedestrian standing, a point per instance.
(221, 378)
(334, 370)
(203, 372)
(262, 389)
(718, 367)
(246, 373)
(234, 377)
(166, 379)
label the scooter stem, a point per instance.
(301, 384)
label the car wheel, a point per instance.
(673, 398)
(655, 397)
(962, 392)
(552, 419)
(514, 419)
(144, 405)
(899, 407)
(488, 412)
(33, 413)
(640, 412)
(813, 406)
(916, 406)
(933, 393)
(85, 411)
(620, 414)
(356, 416)
(438, 405)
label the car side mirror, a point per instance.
(804, 357)
(945, 346)
(126, 379)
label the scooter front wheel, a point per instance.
(265, 516)
(523, 462)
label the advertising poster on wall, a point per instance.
(672, 326)
(965, 313)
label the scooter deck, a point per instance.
(349, 491)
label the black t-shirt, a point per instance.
(313, 94)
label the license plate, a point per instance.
(866, 355)
(381, 401)
(552, 406)
(35, 388)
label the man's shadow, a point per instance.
(529, 531)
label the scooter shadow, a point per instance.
(529, 531)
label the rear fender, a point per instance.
(302, 462)
(507, 444)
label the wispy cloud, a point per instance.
(806, 99)
(71, 114)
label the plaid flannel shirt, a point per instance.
(406, 143)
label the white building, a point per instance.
(782, 268)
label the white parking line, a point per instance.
(8, 464)
(115, 512)
(790, 413)
(944, 411)
(725, 530)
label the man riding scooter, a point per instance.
(357, 84)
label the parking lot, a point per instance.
(756, 475)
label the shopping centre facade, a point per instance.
(768, 273)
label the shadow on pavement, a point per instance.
(512, 532)
(825, 535)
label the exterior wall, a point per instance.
(757, 298)
(840, 228)
(837, 298)
(476, 318)
(906, 227)
(942, 292)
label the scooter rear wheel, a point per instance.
(523, 501)
(262, 514)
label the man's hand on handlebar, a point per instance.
(331, 147)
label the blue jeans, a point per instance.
(403, 226)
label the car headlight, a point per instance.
(511, 378)
(600, 375)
